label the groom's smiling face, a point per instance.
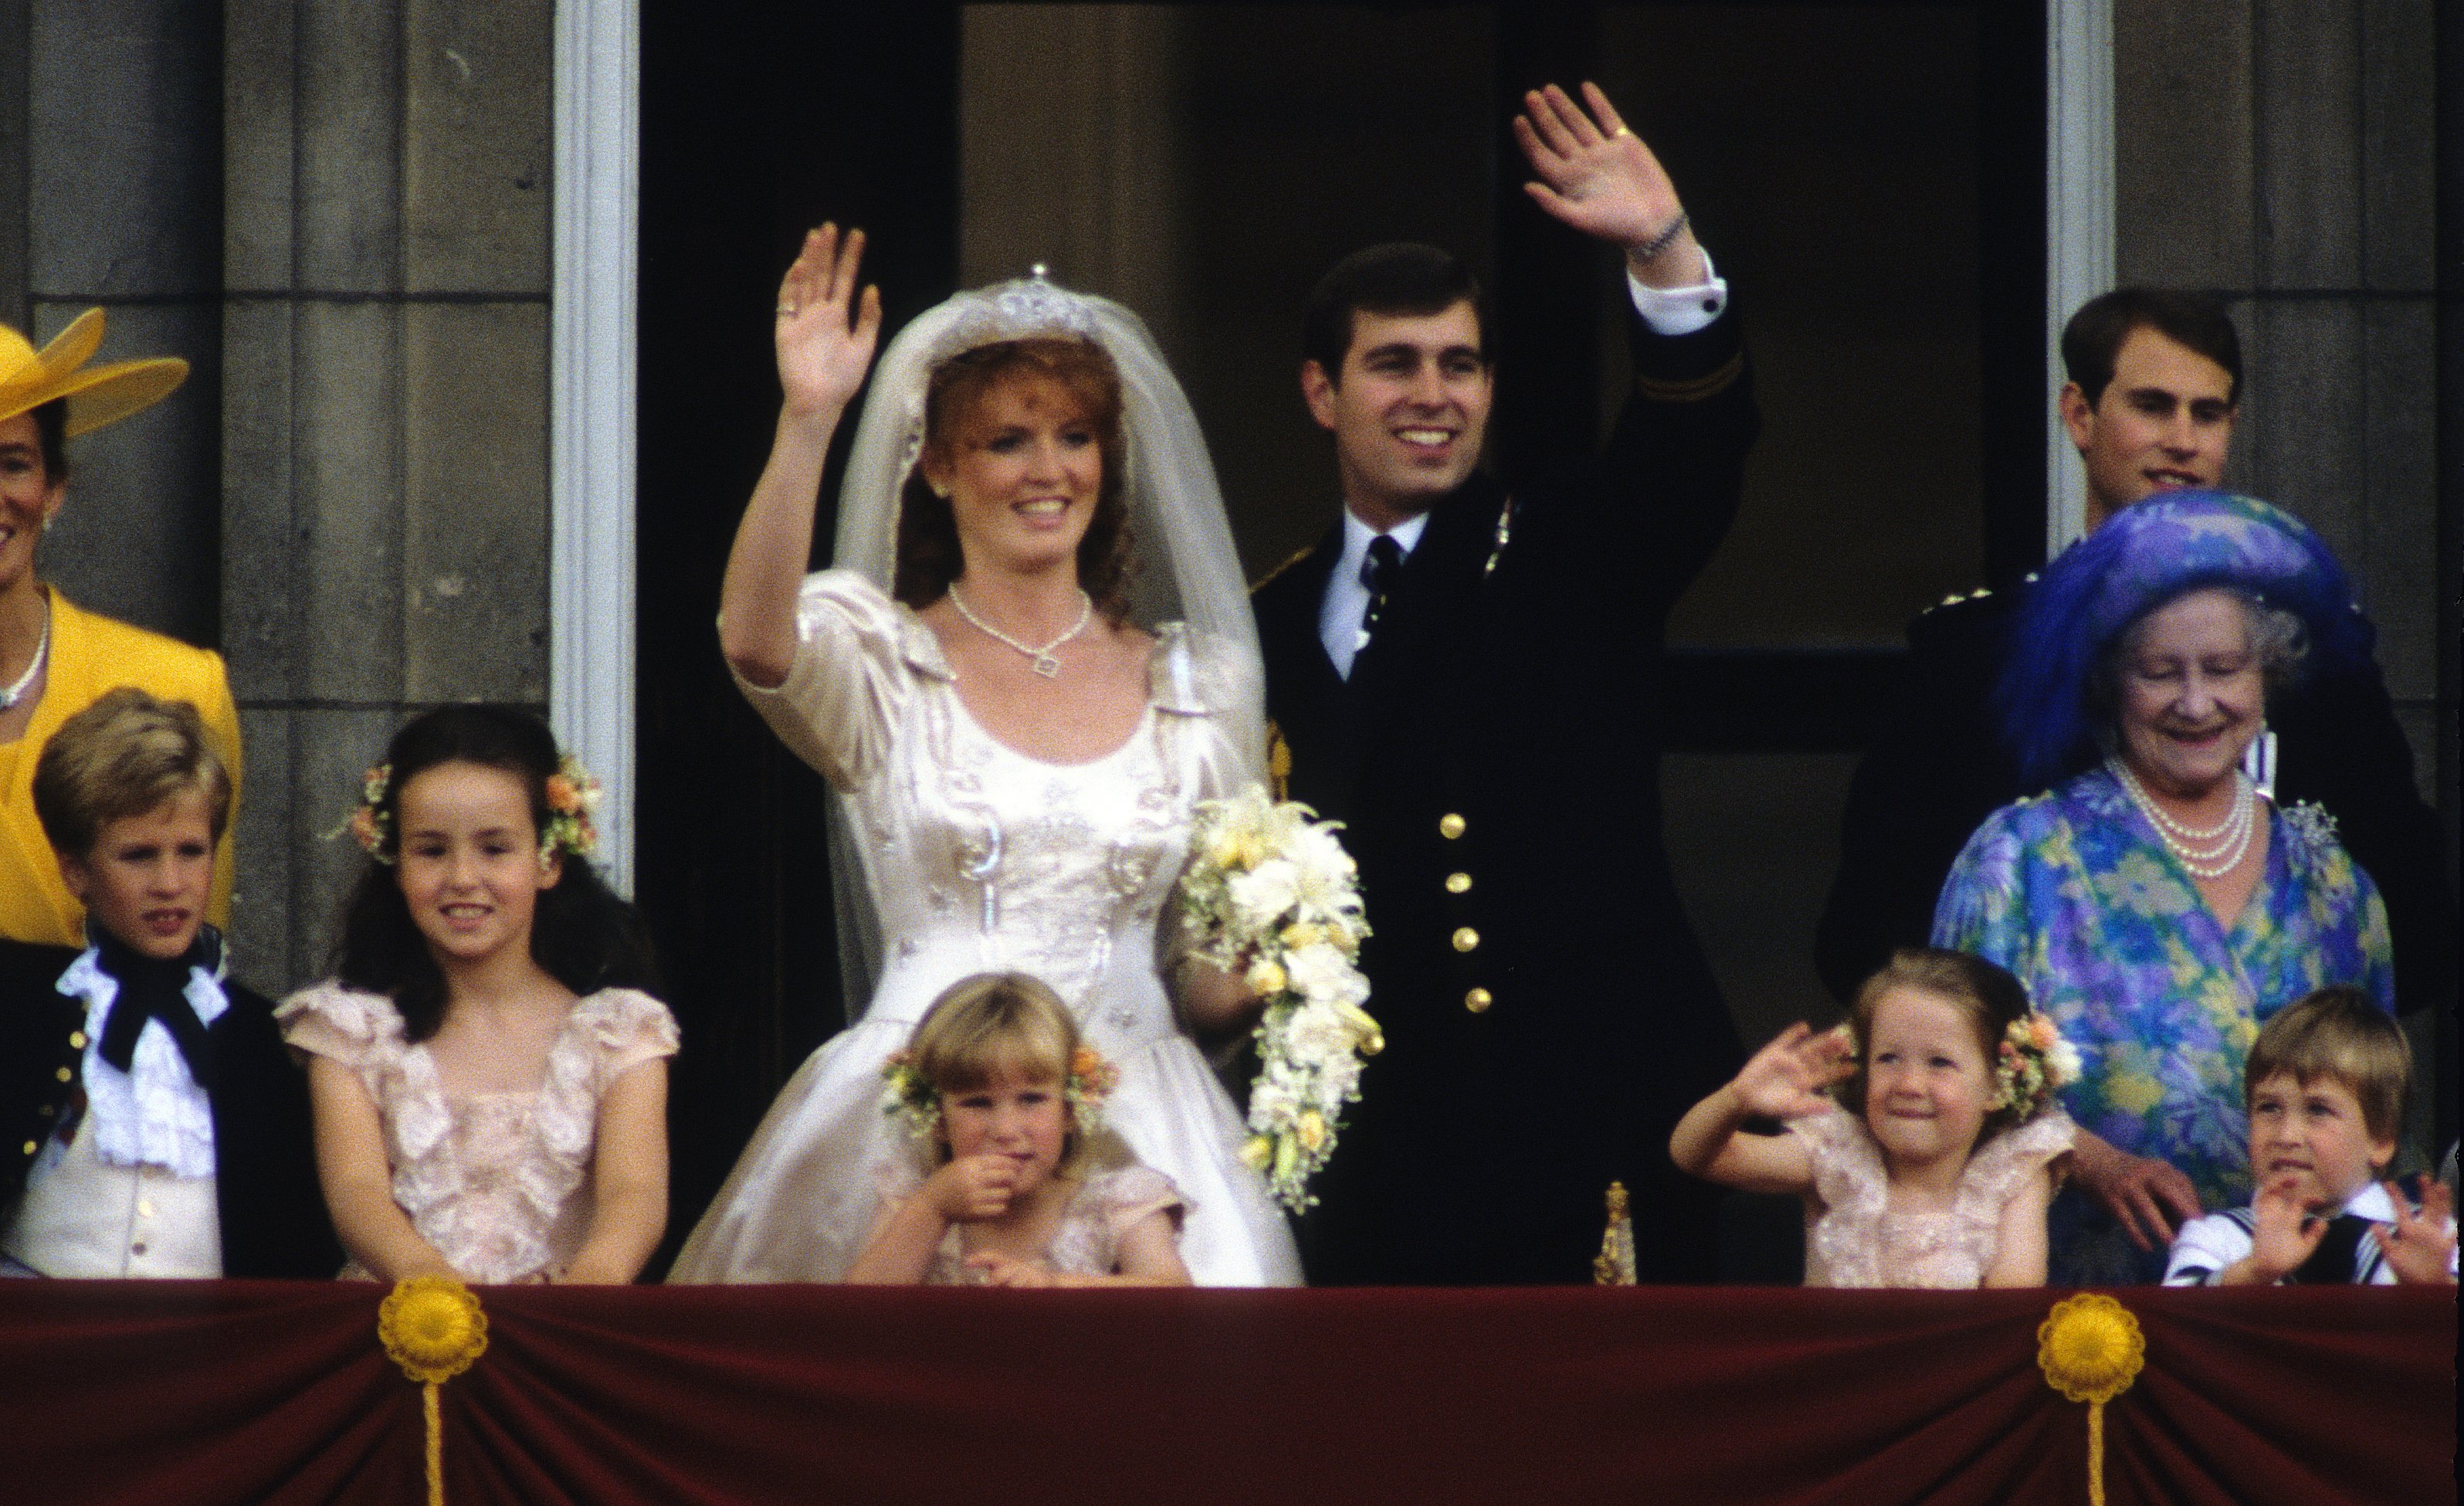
(1409, 411)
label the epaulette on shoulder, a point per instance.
(1956, 597)
(1267, 579)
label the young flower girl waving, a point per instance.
(1936, 1162)
(1004, 1106)
(489, 1088)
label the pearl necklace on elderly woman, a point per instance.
(2231, 837)
(1045, 664)
(34, 666)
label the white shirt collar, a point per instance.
(2372, 1203)
(1356, 536)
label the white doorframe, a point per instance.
(590, 406)
(2079, 222)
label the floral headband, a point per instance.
(908, 1095)
(2032, 1063)
(572, 794)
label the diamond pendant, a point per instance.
(1047, 666)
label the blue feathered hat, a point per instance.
(2142, 557)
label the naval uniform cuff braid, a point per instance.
(1676, 360)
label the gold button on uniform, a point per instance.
(1478, 1001)
(62, 1075)
(77, 1040)
(1450, 826)
(1457, 883)
(1465, 938)
(30, 1147)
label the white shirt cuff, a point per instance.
(1680, 311)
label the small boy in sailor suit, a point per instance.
(2326, 1085)
(155, 1125)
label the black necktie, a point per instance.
(1377, 572)
(155, 988)
(2333, 1262)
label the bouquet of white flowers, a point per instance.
(1271, 894)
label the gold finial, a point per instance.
(1615, 1264)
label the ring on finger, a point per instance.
(787, 309)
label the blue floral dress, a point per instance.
(2074, 891)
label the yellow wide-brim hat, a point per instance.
(97, 395)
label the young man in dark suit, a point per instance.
(1467, 674)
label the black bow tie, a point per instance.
(156, 989)
(2338, 1255)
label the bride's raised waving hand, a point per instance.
(825, 334)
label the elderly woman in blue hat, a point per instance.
(2159, 906)
(56, 659)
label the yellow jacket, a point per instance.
(91, 654)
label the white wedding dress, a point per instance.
(978, 858)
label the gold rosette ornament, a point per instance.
(2090, 1349)
(433, 1328)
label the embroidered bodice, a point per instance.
(499, 1183)
(1853, 1236)
(978, 858)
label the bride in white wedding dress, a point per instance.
(1032, 657)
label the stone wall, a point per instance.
(384, 478)
(339, 213)
(2279, 154)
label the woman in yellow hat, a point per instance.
(55, 659)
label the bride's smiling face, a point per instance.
(1021, 469)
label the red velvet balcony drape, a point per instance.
(217, 1392)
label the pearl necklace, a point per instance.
(2229, 838)
(1045, 663)
(34, 666)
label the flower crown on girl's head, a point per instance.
(2032, 1063)
(571, 796)
(910, 1096)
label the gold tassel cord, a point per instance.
(2090, 1349)
(432, 1327)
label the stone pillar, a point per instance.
(2278, 155)
(384, 478)
(122, 174)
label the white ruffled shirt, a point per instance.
(155, 1114)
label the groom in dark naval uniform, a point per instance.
(1467, 674)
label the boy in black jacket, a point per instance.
(155, 1125)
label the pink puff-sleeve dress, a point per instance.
(1854, 1238)
(499, 1183)
(1106, 1207)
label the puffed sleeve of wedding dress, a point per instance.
(851, 677)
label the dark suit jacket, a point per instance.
(1510, 698)
(1939, 769)
(273, 1211)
